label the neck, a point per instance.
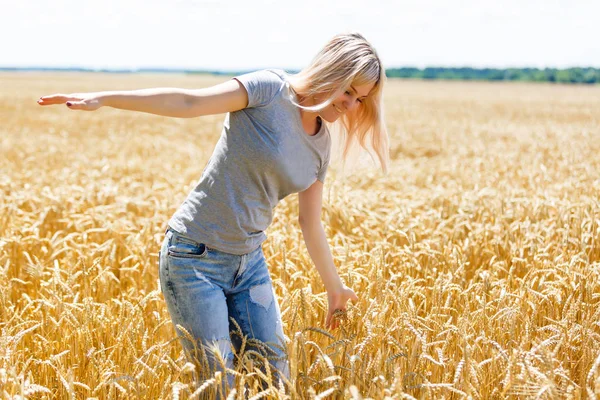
(310, 120)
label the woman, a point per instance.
(275, 142)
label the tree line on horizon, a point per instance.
(568, 75)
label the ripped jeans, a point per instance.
(204, 288)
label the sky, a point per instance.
(247, 35)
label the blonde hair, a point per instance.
(345, 60)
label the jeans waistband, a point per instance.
(174, 232)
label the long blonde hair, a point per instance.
(348, 59)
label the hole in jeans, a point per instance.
(262, 295)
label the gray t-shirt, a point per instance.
(262, 156)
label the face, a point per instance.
(350, 99)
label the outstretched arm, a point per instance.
(310, 202)
(170, 102)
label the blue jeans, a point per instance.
(204, 289)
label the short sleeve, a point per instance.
(323, 171)
(262, 86)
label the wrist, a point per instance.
(103, 99)
(335, 288)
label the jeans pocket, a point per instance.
(180, 247)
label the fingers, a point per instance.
(52, 99)
(332, 320)
(337, 308)
(55, 99)
(74, 103)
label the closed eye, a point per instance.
(359, 100)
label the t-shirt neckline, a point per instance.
(299, 117)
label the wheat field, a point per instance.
(476, 260)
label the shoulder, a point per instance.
(279, 74)
(276, 76)
(262, 85)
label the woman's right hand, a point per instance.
(75, 101)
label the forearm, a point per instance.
(318, 249)
(168, 102)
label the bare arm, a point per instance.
(170, 102)
(310, 202)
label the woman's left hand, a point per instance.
(337, 301)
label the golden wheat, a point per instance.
(476, 260)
